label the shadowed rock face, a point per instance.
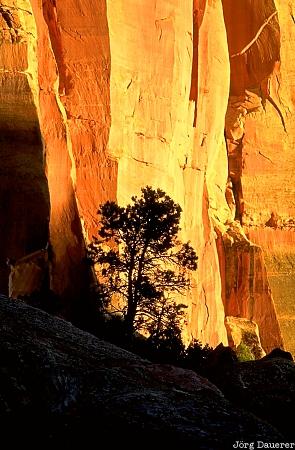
(265, 387)
(66, 386)
(24, 194)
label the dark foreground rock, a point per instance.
(60, 385)
(265, 387)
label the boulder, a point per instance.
(62, 385)
(279, 353)
(244, 331)
(265, 387)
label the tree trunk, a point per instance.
(129, 318)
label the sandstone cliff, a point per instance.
(102, 97)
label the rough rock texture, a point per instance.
(243, 331)
(265, 387)
(28, 275)
(246, 289)
(154, 106)
(278, 244)
(65, 386)
(102, 97)
(260, 135)
(24, 195)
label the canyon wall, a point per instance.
(260, 137)
(268, 177)
(102, 97)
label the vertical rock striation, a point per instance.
(159, 83)
(269, 176)
(102, 97)
(24, 196)
(260, 138)
(74, 67)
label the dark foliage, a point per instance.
(197, 356)
(167, 349)
(141, 263)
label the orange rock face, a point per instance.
(102, 97)
(247, 292)
(75, 119)
(260, 136)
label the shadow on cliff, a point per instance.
(198, 14)
(69, 44)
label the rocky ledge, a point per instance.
(62, 385)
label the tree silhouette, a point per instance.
(141, 260)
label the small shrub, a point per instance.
(196, 356)
(244, 353)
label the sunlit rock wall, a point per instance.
(167, 125)
(102, 97)
(73, 76)
(55, 67)
(268, 178)
(260, 137)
